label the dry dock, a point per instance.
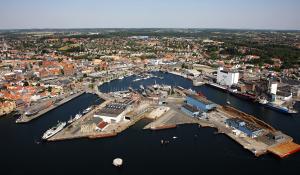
(24, 118)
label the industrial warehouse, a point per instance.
(114, 112)
(249, 129)
(200, 103)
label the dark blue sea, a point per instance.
(196, 151)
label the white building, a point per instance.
(156, 61)
(113, 113)
(273, 87)
(111, 118)
(35, 98)
(227, 78)
(193, 72)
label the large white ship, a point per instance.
(54, 130)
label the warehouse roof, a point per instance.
(245, 124)
(201, 99)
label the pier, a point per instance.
(216, 119)
(74, 130)
(95, 90)
(24, 119)
(170, 119)
(100, 94)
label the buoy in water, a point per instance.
(117, 162)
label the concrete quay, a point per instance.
(170, 116)
(173, 117)
(24, 119)
(74, 130)
(170, 119)
(216, 119)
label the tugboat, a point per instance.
(87, 110)
(71, 120)
(142, 87)
(138, 79)
(77, 116)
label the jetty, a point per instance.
(24, 118)
(89, 126)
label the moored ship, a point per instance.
(87, 110)
(279, 108)
(54, 130)
(245, 96)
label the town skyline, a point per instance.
(216, 14)
(149, 86)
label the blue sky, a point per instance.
(253, 14)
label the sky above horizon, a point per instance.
(242, 14)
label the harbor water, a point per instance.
(194, 151)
